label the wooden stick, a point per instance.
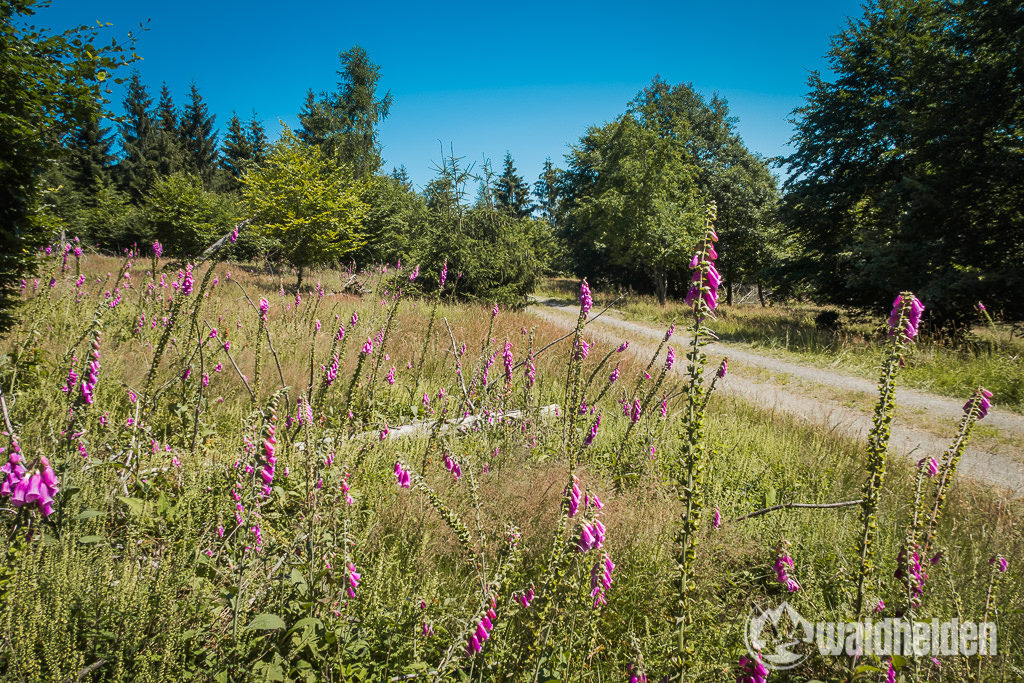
(787, 506)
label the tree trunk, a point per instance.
(298, 287)
(728, 285)
(662, 284)
(760, 294)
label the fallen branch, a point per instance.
(787, 506)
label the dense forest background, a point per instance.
(905, 174)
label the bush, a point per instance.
(185, 217)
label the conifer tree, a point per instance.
(548, 192)
(89, 160)
(258, 140)
(237, 150)
(168, 147)
(198, 139)
(137, 168)
(511, 193)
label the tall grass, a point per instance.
(338, 571)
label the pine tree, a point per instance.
(89, 159)
(137, 168)
(344, 123)
(258, 140)
(198, 139)
(357, 111)
(511, 193)
(169, 158)
(314, 120)
(236, 153)
(548, 193)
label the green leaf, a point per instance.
(87, 540)
(89, 514)
(266, 622)
(136, 505)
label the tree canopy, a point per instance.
(906, 174)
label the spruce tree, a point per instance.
(198, 139)
(511, 193)
(548, 192)
(357, 111)
(236, 153)
(314, 121)
(137, 169)
(168, 147)
(258, 140)
(89, 160)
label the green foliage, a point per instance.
(47, 84)
(631, 202)
(344, 123)
(311, 206)
(198, 137)
(905, 164)
(185, 217)
(492, 255)
(511, 193)
(137, 168)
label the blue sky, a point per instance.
(484, 78)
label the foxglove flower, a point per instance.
(444, 275)
(615, 374)
(913, 315)
(593, 431)
(158, 249)
(507, 358)
(574, 497)
(723, 368)
(781, 562)
(984, 404)
(670, 358)
(752, 670)
(353, 580)
(586, 300)
(622, 347)
(415, 273)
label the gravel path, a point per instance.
(995, 469)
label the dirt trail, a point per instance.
(996, 469)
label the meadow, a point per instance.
(988, 352)
(232, 481)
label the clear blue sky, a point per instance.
(527, 77)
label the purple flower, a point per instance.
(717, 521)
(586, 300)
(634, 413)
(1000, 563)
(507, 357)
(984, 403)
(574, 497)
(601, 579)
(752, 670)
(622, 347)
(368, 346)
(615, 374)
(890, 673)
(158, 249)
(531, 372)
(402, 475)
(444, 274)
(913, 315)
(353, 580)
(593, 431)
(415, 273)
(723, 368)
(670, 358)
(670, 332)
(781, 562)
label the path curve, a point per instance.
(994, 469)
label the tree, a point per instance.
(511, 193)
(198, 138)
(185, 217)
(257, 139)
(169, 157)
(89, 160)
(633, 198)
(344, 123)
(906, 167)
(237, 151)
(46, 83)
(311, 206)
(137, 169)
(548, 192)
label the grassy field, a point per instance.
(992, 356)
(169, 556)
